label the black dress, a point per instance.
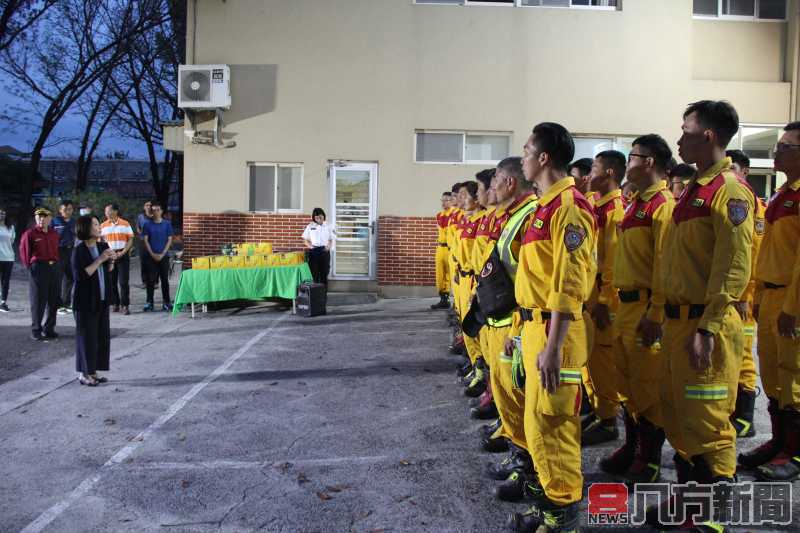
(90, 307)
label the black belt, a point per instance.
(773, 286)
(632, 296)
(674, 311)
(527, 314)
(464, 274)
(443, 244)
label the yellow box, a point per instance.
(237, 261)
(251, 261)
(219, 261)
(200, 263)
(264, 248)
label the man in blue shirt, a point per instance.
(64, 225)
(157, 235)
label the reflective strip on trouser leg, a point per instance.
(768, 340)
(747, 374)
(640, 368)
(510, 402)
(442, 269)
(552, 424)
(703, 401)
(603, 373)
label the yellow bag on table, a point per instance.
(219, 261)
(263, 248)
(201, 263)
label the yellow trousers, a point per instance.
(696, 406)
(640, 368)
(463, 297)
(443, 276)
(747, 375)
(604, 378)
(552, 422)
(510, 402)
(779, 357)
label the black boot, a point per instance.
(546, 517)
(618, 462)
(444, 302)
(484, 412)
(480, 379)
(519, 484)
(586, 406)
(494, 445)
(685, 473)
(786, 465)
(742, 417)
(490, 429)
(517, 460)
(646, 467)
(767, 451)
(464, 369)
(598, 431)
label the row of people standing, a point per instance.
(641, 306)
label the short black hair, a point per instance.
(739, 157)
(156, 202)
(584, 165)
(554, 140)
(485, 176)
(614, 160)
(65, 203)
(513, 167)
(682, 171)
(792, 126)
(718, 116)
(672, 163)
(114, 207)
(657, 148)
(447, 193)
(318, 211)
(7, 221)
(83, 227)
(456, 187)
(472, 188)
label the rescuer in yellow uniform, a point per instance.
(637, 326)
(742, 417)
(707, 261)
(778, 308)
(608, 171)
(554, 278)
(453, 225)
(442, 255)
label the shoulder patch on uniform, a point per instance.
(760, 226)
(737, 211)
(538, 223)
(640, 214)
(698, 202)
(788, 203)
(574, 236)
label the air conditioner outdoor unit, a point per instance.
(204, 86)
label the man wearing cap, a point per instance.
(38, 252)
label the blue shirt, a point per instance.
(157, 235)
(65, 230)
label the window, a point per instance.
(491, 2)
(461, 147)
(457, 2)
(741, 9)
(591, 146)
(596, 4)
(276, 187)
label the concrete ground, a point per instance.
(248, 419)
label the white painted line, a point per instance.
(81, 490)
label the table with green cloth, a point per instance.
(218, 285)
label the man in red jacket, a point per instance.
(38, 252)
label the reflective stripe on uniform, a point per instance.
(706, 392)
(749, 331)
(500, 323)
(570, 376)
(507, 236)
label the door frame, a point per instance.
(373, 168)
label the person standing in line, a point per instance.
(38, 252)
(64, 225)
(7, 236)
(318, 238)
(441, 256)
(118, 234)
(143, 218)
(157, 242)
(92, 262)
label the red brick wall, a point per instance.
(405, 244)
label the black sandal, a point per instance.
(99, 379)
(88, 382)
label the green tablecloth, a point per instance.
(203, 286)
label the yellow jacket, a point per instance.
(707, 252)
(466, 240)
(608, 211)
(778, 259)
(442, 223)
(641, 241)
(483, 238)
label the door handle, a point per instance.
(372, 227)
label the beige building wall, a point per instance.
(353, 79)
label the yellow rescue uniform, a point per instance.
(442, 255)
(555, 273)
(637, 274)
(778, 290)
(453, 225)
(482, 243)
(707, 262)
(603, 384)
(747, 374)
(466, 277)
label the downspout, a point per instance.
(194, 32)
(795, 38)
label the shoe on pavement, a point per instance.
(166, 307)
(4, 308)
(496, 445)
(518, 460)
(599, 431)
(50, 335)
(490, 429)
(147, 307)
(115, 309)
(36, 336)
(125, 310)
(484, 412)
(63, 311)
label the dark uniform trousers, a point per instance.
(43, 293)
(65, 280)
(319, 262)
(155, 272)
(120, 281)
(93, 340)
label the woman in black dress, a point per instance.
(92, 261)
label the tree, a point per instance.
(85, 39)
(19, 16)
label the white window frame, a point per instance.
(758, 163)
(614, 138)
(518, 3)
(464, 134)
(741, 18)
(275, 185)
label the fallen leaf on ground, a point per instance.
(395, 369)
(109, 421)
(336, 488)
(301, 478)
(324, 496)
(404, 462)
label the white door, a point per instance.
(353, 193)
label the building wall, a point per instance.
(353, 79)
